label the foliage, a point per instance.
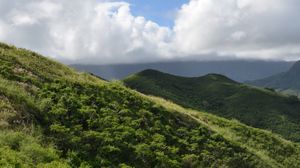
(108, 125)
(87, 122)
(219, 95)
(271, 148)
(20, 150)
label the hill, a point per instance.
(240, 70)
(286, 81)
(217, 94)
(52, 116)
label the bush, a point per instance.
(20, 150)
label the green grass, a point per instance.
(57, 117)
(216, 94)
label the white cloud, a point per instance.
(103, 31)
(22, 20)
(83, 31)
(266, 29)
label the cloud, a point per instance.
(103, 31)
(82, 31)
(266, 29)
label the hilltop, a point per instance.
(217, 94)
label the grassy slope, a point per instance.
(270, 147)
(55, 117)
(219, 95)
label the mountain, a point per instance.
(238, 70)
(224, 97)
(52, 116)
(286, 81)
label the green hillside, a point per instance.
(52, 116)
(219, 95)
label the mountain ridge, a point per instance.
(257, 107)
(209, 75)
(283, 81)
(239, 70)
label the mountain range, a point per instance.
(239, 70)
(288, 82)
(55, 117)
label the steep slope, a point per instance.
(219, 95)
(53, 116)
(286, 81)
(271, 148)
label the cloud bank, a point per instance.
(263, 29)
(100, 32)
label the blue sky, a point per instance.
(159, 11)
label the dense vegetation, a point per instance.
(261, 108)
(274, 150)
(53, 116)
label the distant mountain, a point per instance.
(284, 81)
(222, 96)
(238, 70)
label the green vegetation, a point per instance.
(260, 108)
(20, 150)
(53, 116)
(270, 147)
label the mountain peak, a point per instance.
(210, 76)
(218, 77)
(289, 80)
(295, 67)
(149, 71)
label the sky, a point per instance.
(132, 31)
(163, 12)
